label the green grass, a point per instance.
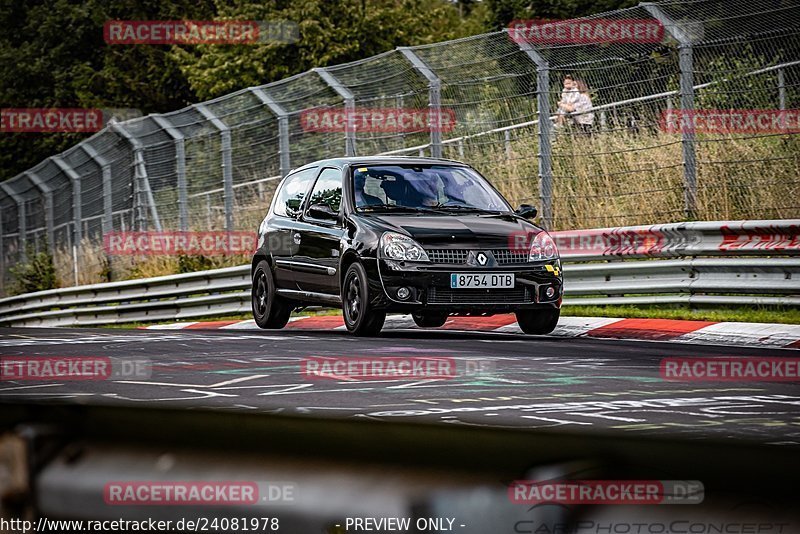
(746, 315)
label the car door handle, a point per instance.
(296, 237)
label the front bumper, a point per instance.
(429, 285)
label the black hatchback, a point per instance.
(421, 236)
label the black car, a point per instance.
(424, 236)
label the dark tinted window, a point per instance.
(292, 192)
(424, 186)
(328, 189)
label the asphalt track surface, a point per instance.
(575, 384)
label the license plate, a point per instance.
(479, 280)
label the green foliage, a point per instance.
(504, 11)
(38, 274)
(56, 57)
(193, 264)
(738, 89)
(330, 32)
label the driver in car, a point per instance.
(362, 197)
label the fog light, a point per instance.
(403, 293)
(550, 292)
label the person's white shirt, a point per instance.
(570, 97)
(583, 106)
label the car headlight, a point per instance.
(543, 248)
(400, 247)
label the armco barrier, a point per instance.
(728, 262)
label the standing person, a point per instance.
(569, 96)
(582, 110)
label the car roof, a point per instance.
(380, 160)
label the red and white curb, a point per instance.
(675, 331)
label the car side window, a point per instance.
(328, 189)
(294, 188)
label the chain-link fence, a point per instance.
(213, 166)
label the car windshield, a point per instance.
(424, 187)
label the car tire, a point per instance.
(429, 320)
(269, 310)
(359, 317)
(538, 322)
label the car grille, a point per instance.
(446, 295)
(458, 256)
(448, 255)
(505, 256)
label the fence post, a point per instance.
(781, 89)
(20, 201)
(227, 162)
(434, 98)
(180, 169)
(105, 167)
(283, 128)
(75, 182)
(23, 231)
(47, 193)
(349, 109)
(2, 258)
(543, 127)
(141, 179)
(686, 67)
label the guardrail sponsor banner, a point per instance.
(610, 242)
(756, 237)
(748, 237)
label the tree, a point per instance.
(502, 12)
(56, 57)
(330, 32)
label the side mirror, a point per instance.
(322, 212)
(527, 211)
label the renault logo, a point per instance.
(482, 259)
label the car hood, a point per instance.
(453, 231)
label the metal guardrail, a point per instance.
(658, 264)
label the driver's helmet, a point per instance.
(359, 180)
(423, 190)
(395, 190)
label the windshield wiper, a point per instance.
(395, 207)
(458, 207)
